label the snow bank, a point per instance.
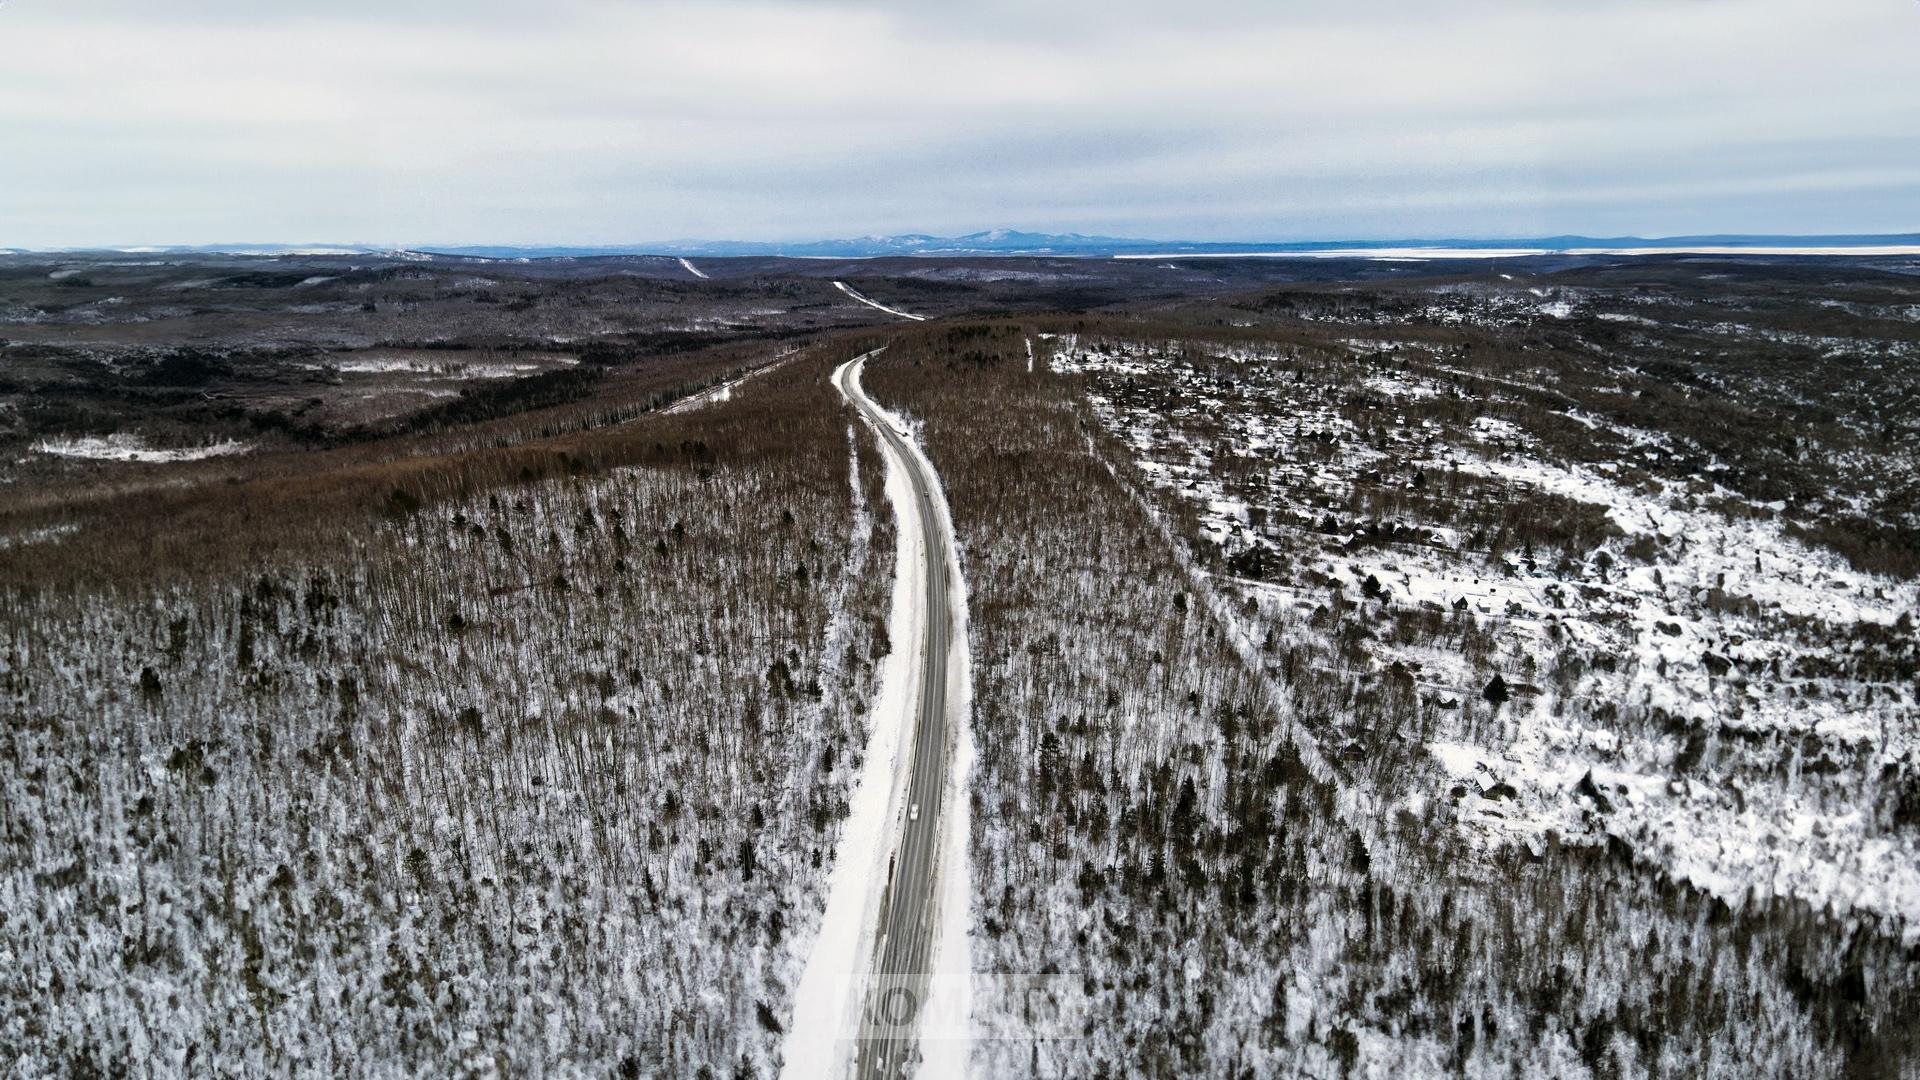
(951, 960)
(820, 1039)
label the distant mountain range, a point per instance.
(1077, 245)
(1000, 242)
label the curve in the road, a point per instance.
(908, 914)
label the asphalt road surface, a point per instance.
(903, 942)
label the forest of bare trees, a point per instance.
(1453, 676)
(539, 777)
(1211, 827)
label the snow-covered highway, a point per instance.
(896, 912)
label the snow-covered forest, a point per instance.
(1245, 777)
(1371, 673)
(541, 778)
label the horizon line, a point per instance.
(1556, 244)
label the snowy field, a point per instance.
(1688, 676)
(131, 447)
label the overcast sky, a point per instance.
(593, 121)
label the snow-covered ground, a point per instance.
(836, 979)
(378, 364)
(537, 781)
(862, 298)
(827, 1001)
(947, 1054)
(1209, 792)
(1667, 698)
(37, 536)
(131, 447)
(725, 391)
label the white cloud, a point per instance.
(603, 121)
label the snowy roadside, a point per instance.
(952, 960)
(820, 1039)
(946, 1055)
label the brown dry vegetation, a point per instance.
(196, 517)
